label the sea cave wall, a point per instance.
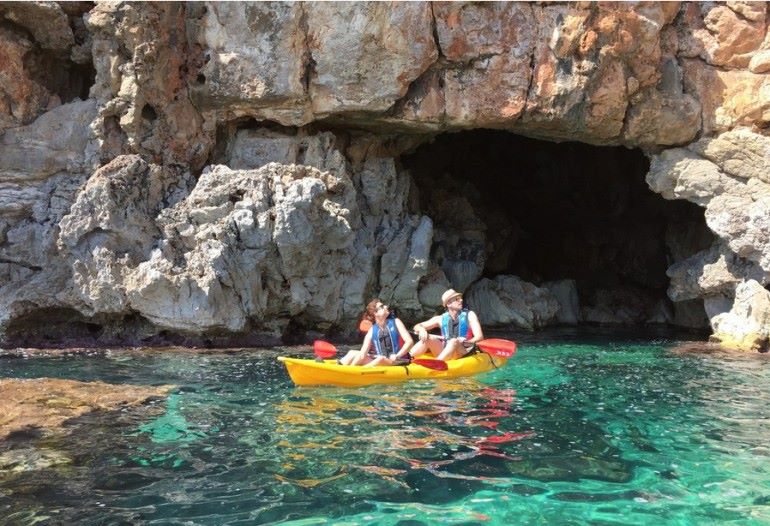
(218, 170)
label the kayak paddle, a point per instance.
(436, 365)
(326, 350)
(494, 346)
(497, 347)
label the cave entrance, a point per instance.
(504, 204)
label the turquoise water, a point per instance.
(572, 431)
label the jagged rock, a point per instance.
(509, 300)
(255, 148)
(183, 86)
(110, 229)
(267, 75)
(727, 183)
(565, 292)
(681, 174)
(404, 264)
(142, 59)
(744, 223)
(46, 21)
(760, 62)
(488, 74)
(727, 175)
(399, 40)
(23, 98)
(742, 100)
(747, 325)
(726, 34)
(715, 271)
(237, 248)
(740, 153)
(660, 120)
(42, 166)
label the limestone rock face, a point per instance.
(509, 300)
(727, 176)
(716, 271)
(110, 229)
(238, 165)
(42, 166)
(565, 292)
(746, 325)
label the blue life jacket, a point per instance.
(463, 329)
(394, 337)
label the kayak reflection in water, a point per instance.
(460, 330)
(385, 342)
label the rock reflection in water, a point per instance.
(398, 440)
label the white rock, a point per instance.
(511, 301)
(565, 292)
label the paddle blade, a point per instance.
(436, 365)
(324, 349)
(497, 347)
(364, 326)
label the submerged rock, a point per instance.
(46, 404)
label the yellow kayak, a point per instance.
(329, 372)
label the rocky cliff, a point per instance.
(217, 170)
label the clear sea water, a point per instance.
(577, 428)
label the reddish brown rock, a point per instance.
(369, 61)
(47, 403)
(729, 98)
(22, 98)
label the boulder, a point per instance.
(747, 325)
(565, 292)
(512, 302)
(716, 271)
(624, 305)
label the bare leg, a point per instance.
(361, 360)
(348, 358)
(434, 346)
(380, 360)
(454, 349)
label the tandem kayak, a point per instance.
(328, 372)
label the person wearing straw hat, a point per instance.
(460, 330)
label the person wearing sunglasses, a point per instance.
(386, 342)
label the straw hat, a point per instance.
(449, 296)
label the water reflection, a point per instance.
(601, 432)
(388, 432)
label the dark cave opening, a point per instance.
(504, 204)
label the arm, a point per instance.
(473, 320)
(408, 341)
(423, 327)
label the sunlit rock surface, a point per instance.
(727, 175)
(136, 139)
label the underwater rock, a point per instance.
(46, 404)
